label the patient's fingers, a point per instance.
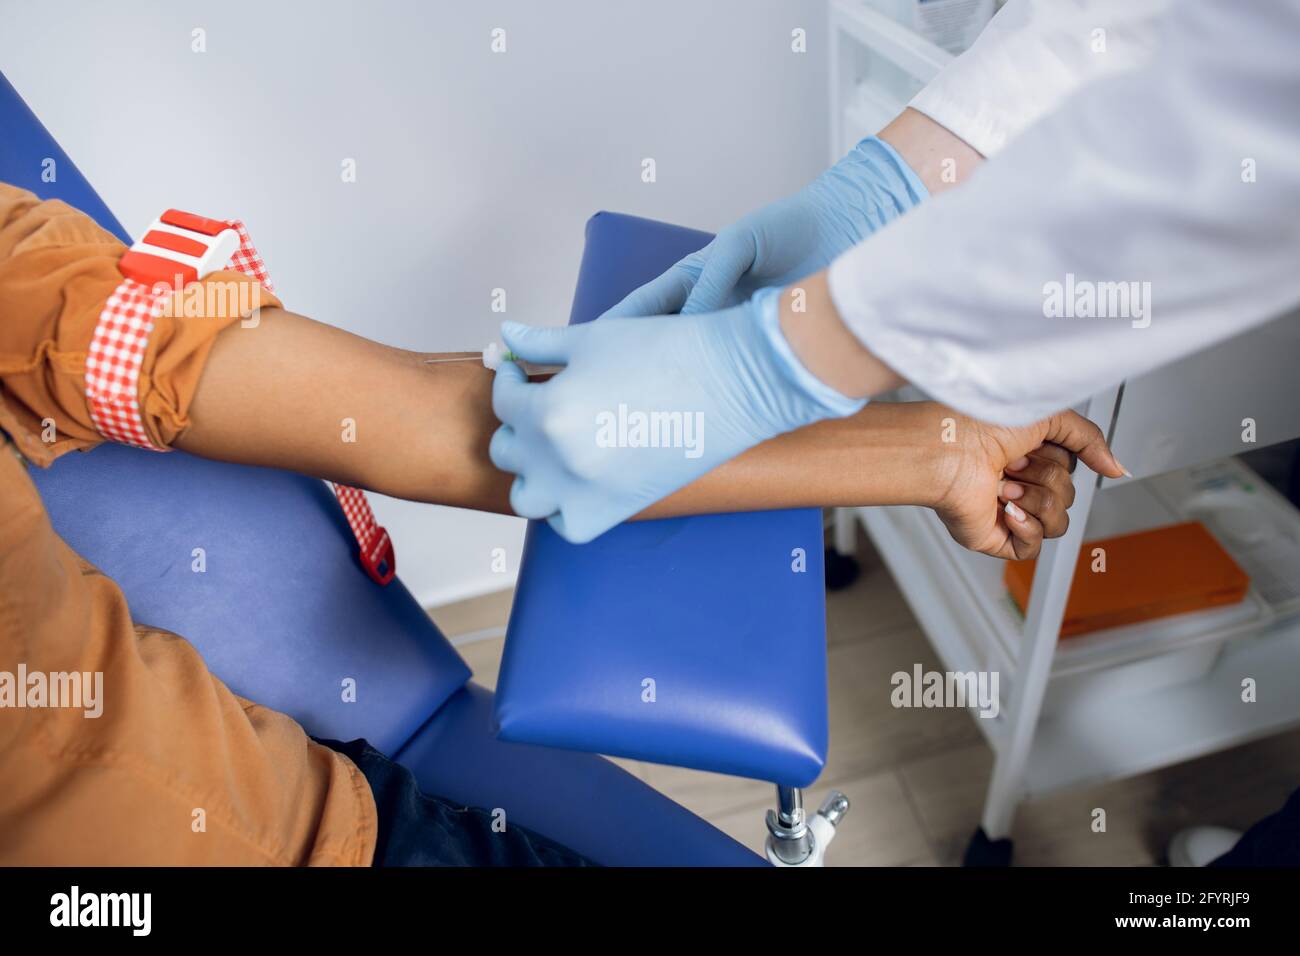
(1075, 433)
(1026, 533)
(1050, 474)
(1053, 452)
(1043, 503)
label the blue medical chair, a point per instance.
(283, 614)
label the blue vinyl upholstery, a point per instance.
(709, 608)
(283, 613)
(26, 149)
(581, 801)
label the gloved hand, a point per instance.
(644, 408)
(788, 240)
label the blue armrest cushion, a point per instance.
(698, 642)
(580, 800)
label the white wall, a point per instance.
(474, 170)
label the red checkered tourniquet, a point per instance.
(376, 547)
(113, 363)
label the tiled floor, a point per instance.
(916, 778)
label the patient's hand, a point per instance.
(989, 466)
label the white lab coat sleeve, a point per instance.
(1182, 177)
(1030, 57)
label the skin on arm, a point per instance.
(287, 392)
(939, 157)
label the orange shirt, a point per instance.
(175, 769)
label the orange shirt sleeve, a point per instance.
(57, 268)
(123, 785)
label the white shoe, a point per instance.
(1197, 846)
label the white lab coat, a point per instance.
(1172, 179)
(1030, 57)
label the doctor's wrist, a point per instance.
(940, 158)
(826, 347)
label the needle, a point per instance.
(530, 369)
(456, 357)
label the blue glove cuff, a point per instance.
(906, 188)
(766, 306)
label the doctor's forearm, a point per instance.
(1143, 186)
(816, 332)
(825, 344)
(940, 158)
(295, 394)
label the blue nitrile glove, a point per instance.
(788, 240)
(644, 407)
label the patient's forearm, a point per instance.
(296, 394)
(884, 455)
(293, 393)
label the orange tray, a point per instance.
(1149, 575)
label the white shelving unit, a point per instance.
(1118, 702)
(1129, 700)
(876, 66)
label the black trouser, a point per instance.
(416, 829)
(1273, 841)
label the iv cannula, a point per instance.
(492, 357)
